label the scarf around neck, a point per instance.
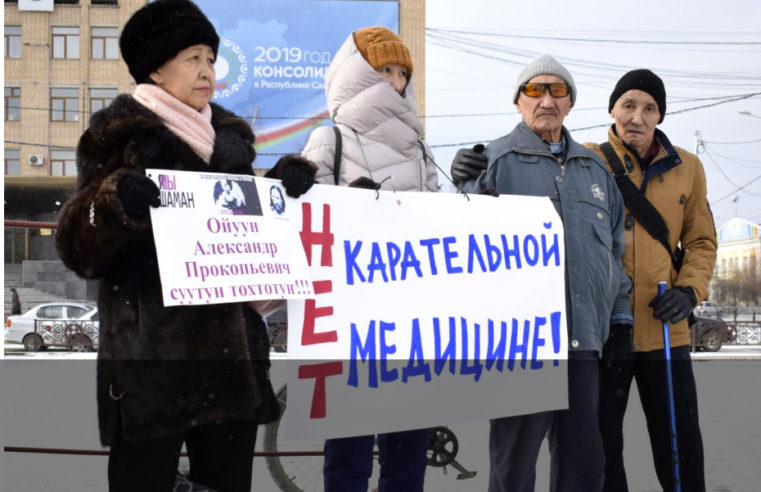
(191, 126)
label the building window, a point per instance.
(63, 163)
(64, 104)
(105, 43)
(104, 2)
(100, 98)
(12, 103)
(70, 2)
(12, 162)
(66, 42)
(12, 47)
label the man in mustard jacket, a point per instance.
(673, 180)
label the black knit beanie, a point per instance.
(161, 29)
(644, 80)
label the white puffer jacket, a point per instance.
(380, 129)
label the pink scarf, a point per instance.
(193, 127)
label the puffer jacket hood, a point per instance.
(381, 133)
(360, 97)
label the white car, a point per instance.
(708, 310)
(54, 324)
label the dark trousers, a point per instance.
(221, 456)
(649, 369)
(574, 439)
(401, 455)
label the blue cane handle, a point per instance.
(662, 288)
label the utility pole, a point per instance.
(698, 142)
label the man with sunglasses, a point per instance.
(540, 158)
(674, 182)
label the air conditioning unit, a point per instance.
(36, 159)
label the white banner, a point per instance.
(429, 309)
(226, 238)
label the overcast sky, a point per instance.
(707, 53)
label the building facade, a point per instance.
(61, 65)
(737, 273)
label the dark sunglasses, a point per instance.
(537, 89)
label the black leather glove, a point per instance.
(137, 192)
(675, 305)
(364, 182)
(468, 164)
(619, 344)
(296, 174)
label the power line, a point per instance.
(34, 144)
(714, 202)
(737, 161)
(499, 52)
(721, 171)
(721, 100)
(639, 40)
(738, 98)
(245, 117)
(460, 144)
(733, 143)
(601, 125)
(598, 32)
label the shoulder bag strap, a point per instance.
(638, 204)
(422, 149)
(337, 154)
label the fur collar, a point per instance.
(127, 124)
(125, 116)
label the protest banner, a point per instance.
(429, 309)
(216, 242)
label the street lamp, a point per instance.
(748, 113)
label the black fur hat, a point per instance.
(161, 29)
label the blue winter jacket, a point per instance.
(592, 210)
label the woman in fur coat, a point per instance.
(196, 375)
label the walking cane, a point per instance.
(662, 287)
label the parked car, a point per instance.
(708, 310)
(712, 333)
(54, 324)
(83, 332)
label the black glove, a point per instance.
(468, 164)
(298, 177)
(675, 305)
(296, 174)
(619, 344)
(364, 182)
(137, 192)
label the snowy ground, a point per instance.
(48, 401)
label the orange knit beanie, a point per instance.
(380, 47)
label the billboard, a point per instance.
(272, 60)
